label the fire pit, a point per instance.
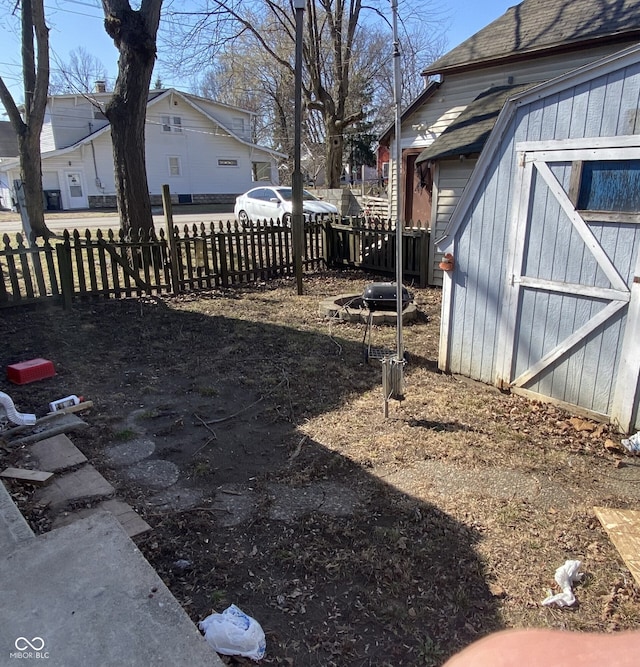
(361, 308)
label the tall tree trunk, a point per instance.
(35, 74)
(31, 176)
(334, 147)
(134, 34)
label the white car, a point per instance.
(274, 203)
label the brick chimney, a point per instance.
(100, 86)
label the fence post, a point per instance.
(173, 250)
(326, 241)
(222, 253)
(63, 252)
(425, 241)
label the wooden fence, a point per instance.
(112, 265)
(371, 246)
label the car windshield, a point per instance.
(286, 194)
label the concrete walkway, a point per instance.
(84, 595)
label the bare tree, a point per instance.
(79, 75)
(134, 35)
(329, 34)
(260, 85)
(35, 74)
(343, 55)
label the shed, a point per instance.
(544, 296)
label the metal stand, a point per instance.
(392, 382)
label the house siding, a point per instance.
(71, 143)
(455, 92)
(606, 106)
(450, 180)
(198, 146)
(74, 120)
(227, 116)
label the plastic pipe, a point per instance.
(18, 418)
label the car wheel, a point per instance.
(243, 218)
(286, 220)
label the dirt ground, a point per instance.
(353, 539)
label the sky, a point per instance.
(79, 23)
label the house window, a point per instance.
(238, 125)
(171, 124)
(261, 171)
(227, 162)
(175, 168)
(608, 185)
(98, 115)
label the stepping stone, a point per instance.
(234, 505)
(176, 498)
(130, 452)
(56, 453)
(14, 530)
(289, 503)
(129, 519)
(85, 483)
(157, 474)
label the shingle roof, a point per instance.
(536, 25)
(8, 140)
(468, 134)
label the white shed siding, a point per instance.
(605, 106)
(450, 181)
(584, 378)
(478, 288)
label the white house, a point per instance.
(202, 149)
(445, 128)
(8, 151)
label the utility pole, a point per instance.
(297, 217)
(392, 368)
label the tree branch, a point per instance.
(12, 110)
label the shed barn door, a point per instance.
(571, 312)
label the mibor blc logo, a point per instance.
(30, 649)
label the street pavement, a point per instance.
(58, 222)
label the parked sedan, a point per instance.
(274, 203)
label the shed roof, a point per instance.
(8, 140)
(543, 25)
(468, 134)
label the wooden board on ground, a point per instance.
(85, 405)
(38, 477)
(623, 528)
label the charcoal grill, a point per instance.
(377, 297)
(383, 296)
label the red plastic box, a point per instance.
(30, 371)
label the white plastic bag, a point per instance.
(565, 576)
(234, 633)
(632, 444)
